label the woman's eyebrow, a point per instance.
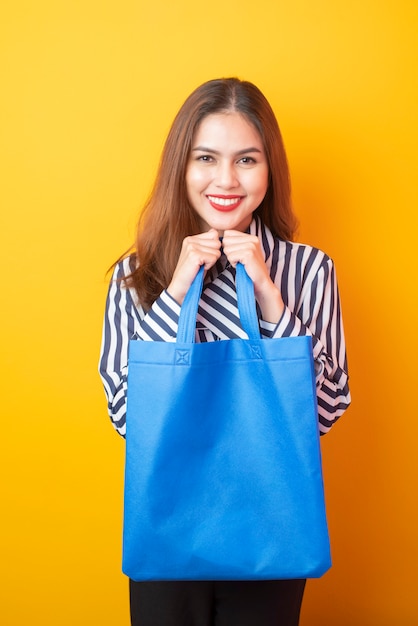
(213, 151)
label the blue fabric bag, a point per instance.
(223, 475)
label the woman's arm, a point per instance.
(125, 320)
(319, 315)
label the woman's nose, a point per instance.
(227, 176)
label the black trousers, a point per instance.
(216, 603)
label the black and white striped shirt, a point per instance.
(307, 281)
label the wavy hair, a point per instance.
(168, 217)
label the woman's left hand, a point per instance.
(246, 249)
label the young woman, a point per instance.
(222, 196)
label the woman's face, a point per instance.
(227, 173)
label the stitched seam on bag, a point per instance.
(182, 357)
(256, 352)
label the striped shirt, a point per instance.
(307, 281)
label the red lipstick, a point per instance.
(224, 203)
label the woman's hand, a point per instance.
(196, 250)
(246, 249)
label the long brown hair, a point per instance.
(168, 217)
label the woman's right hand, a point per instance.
(197, 250)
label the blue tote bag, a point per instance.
(223, 475)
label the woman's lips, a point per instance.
(224, 203)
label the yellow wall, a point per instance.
(89, 90)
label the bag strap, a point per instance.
(246, 303)
(246, 306)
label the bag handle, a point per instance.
(246, 306)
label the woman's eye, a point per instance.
(206, 158)
(247, 160)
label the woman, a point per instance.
(222, 196)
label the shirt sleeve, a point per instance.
(125, 320)
(319, 315)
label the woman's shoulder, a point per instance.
(124, 267)
(303, 251)
(278, 249)
(275, 246)
(122, 285)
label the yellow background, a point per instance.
(89, 89)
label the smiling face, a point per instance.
(227, 172)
